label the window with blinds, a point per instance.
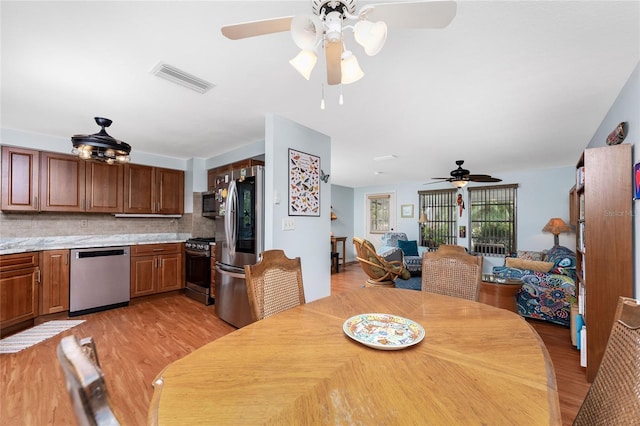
(493, 219)
(379, 213)
(437, 218)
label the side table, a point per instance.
(334, 249)
(499, 292)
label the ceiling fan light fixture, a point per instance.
(100, 146)
(459, 183)
(371, 36)
(350, 69)
(306, 31)
(304, 62)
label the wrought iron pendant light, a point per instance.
(101, 146)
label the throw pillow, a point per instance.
(532, 265)
(531, 255)
(409, 248)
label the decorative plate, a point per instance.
(383, 331)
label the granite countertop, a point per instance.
(21, 245)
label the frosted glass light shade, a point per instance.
(350, 69)
(371, 36)
(304, 62)
(459, 183)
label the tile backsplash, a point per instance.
(13, 225)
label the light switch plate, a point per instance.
(288, 224)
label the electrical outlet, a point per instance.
(84, 223)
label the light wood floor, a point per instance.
(136, 342)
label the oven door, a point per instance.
(198, 274)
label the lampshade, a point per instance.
(100, 146)
(350, 69)
(306, 31)
(459, 183)
(556, 226)
(423, 218)
(333, 216)
(304, 62)
(371, 36)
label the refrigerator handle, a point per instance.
(231, 274)
(230, 217)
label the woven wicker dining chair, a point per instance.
(614, 395)
(452, 273)
(274, 284)
(85, 382)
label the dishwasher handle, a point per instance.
(100, 253)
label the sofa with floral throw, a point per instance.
(548, 283)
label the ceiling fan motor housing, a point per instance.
(324, 7)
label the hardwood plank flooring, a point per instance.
(136, 342)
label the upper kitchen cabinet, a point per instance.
(104, 187)
(153, 190)
(20, 179)
(62, 183)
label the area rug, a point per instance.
(37, 334)
(413, 283)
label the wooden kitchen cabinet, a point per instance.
(19, 278)
(104, 187)
(153, 190)
(156, 268)
(62, 183)
(212, 174)
(54, 291)
(20, 184)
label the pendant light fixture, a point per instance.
(101, 146)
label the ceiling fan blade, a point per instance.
(333, 53)
(257, 28)
(441, 178)
(429, 14)
(483, 178)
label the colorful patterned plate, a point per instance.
(383, 331)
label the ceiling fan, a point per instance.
(325, 29)
(460, 177)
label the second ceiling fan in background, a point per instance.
(324, 30)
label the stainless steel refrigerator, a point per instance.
(239, 241)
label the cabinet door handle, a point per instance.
(83, 204)
(66, 258)
(38, 276)
(35, 202)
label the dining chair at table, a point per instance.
(85, 382)
(452, 273)
(614, 395)
(274, 284)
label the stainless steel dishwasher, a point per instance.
(99, 279)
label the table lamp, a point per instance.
(556, 226)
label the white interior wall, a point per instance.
(311, 237)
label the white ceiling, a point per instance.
(508, 84)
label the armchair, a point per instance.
(380, 270)
(411, 252)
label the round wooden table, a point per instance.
(501, 294)
(476, 365)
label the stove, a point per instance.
(198, 269)
(199, 244)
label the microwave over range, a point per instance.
(210, 204)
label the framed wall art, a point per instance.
(304, 184)
(406, 211)
(636, 181)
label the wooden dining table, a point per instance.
(477, 364)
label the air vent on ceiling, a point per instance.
(182, 78)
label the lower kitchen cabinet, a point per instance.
(156, 268)
(19, 278)
(54, 292)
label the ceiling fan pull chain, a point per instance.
(322, 101)
(341, 99)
